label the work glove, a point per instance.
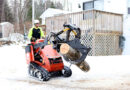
(33, 39)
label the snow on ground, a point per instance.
(111, 72)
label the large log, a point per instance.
(69, 52)
(73, 54)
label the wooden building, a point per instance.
(100, 30)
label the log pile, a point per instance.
(5, 42)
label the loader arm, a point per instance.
(75, 43)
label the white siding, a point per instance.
(99, 5)
(116, 6)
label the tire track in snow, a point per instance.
(49, 83)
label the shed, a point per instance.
(6, 28)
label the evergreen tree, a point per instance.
(52, 5)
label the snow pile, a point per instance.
(16, 37)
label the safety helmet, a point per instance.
(36, 21)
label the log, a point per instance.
(84, 66)
(73, 54)
(69, 52)
(4, 42)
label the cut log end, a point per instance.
(69, 52)
(64, 48)
(84, 66)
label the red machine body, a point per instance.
(48, 58)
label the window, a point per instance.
(88, 5)
(95, 4)
(79, 6)
(0, 35)
(128, 6)
(128, 10)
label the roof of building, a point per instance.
(3, 23)
(52, 12)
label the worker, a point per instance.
(36, 32)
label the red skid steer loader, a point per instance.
(45, 60)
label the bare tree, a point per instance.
(6, 14)
(20, 9)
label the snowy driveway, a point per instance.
(106, 73)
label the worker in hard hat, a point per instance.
(35, 32)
